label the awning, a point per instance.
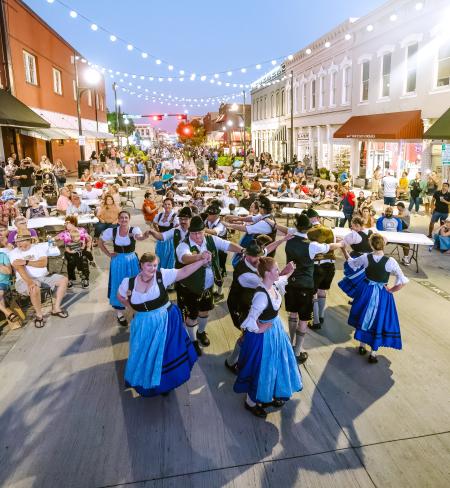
(97, 135)
(394, 125)
(440, 130)
(14, 113)
(45, 134)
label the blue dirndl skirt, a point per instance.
(351, 280)
(244, 242)
(161, 354)
(374, 315)
(166, 254)
(123, 265)
(267, 366)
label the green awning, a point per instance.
(14, 113)
(440, 130)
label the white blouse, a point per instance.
(260, 302)
(171, 219)
(168, 277)
(354, 237)
(107, 235)
(391, 266)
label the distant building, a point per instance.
(228, 126)
(39, 71)
(146, 133)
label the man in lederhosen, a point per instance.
(177, 233)
(324, 268)
(213, 226)
(300, 287)
(195, 293)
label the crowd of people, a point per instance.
(192, 232)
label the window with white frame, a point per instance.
(283, 102)
(89, 98)
(277, 104)
(297, 99)
(74, 85)
(272, 106)
(411, 67)
(365, 72)
(321, 91)
(266, 114)
(313, 95)
(304, 97)
(346, 85)
(333, 79)
(386, 62)
(30, 68)
(443, 68)
(57, 81)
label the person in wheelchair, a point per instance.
(30, 264)
(14, 321)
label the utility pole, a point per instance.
(114, 86)
(292, 116)
(80, 127)
(245, 131)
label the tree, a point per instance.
(126, 128)
(192, 133)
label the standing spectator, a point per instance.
(389, 188)
(149, 207)
(26, 175)
(376, 180)
(60, 173)
(430, 186)
(8, 212)
(439, 206)
(403, 185)
(347, 204)
(2, 176)
(10, 171)
(415, 190)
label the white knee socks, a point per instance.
(192, 331)
(316, 313)
(321, 303)
(293, 324)
(299, 340)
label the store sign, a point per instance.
(446, 154)
(82, 140)
(303, 136)
(361, 136)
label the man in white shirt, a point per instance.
(77, 207)
(390, 185)
(30, 263)
(194, 294)
(90, 193)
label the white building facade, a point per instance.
(390, 69)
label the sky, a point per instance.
(197, 36)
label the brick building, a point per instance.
(37, 67)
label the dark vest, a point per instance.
(273, 233)
(164, 228)
(124, 249)
(297, 250)
(239, 297)
(196, 281)
(269, 313)
(377, 271)
(176, 242)
(151, 304)
(225, 236)
(363, 247)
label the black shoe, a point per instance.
(362, 350)
(321, 320)
(84, 283)
(302, 357)
(122, 321)
(166, 393)
(93, 264)
(373, 359)
(203, 338)
(350, 302)
(218, 297)
(278, 403)
(198, 349)
(70, 284)
(233, 368)
(315, 326)
(257, 410)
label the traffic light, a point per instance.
(181, 116)
(157, 117)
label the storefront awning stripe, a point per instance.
(389, 126)
(14, 113)
(440, 130)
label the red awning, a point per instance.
(394, 125)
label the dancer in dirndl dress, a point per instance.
(124, 262)
(161, 354)
(358, 240)
(268, 370)
(373, 313)
(164, 221)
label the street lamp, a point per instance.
(126, 122)
(92, 77)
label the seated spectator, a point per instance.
(404, 215)
(4, 237)
(114, 192)
(246, 200)
(86, 176)
(76, 207)
(63, 200)
(14, 321)
(149, 207)
(367, 217)
(284, 191)
(388, 222)
(198, 202)
(30, 264)
(442, 237)
(255, 185)
(38, 193)
(8, 211)
(90, 193)
(100, 183)
(107, 214)
(229, 199)
(121, 181)
(21, 224)
(35, 210)
(77, 243)
(304, 187)
(315, 196)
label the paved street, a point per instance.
(66, 420)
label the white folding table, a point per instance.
(323, 213)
